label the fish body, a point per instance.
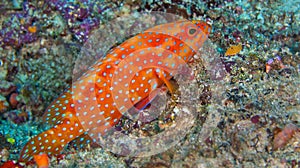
(128, 75)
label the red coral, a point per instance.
(10, 164)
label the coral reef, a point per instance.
(247, 116)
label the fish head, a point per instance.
(203, 26)
(193, 33)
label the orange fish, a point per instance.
(32, 29)
(232, 50)
(129, 76)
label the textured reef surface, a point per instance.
(248, 116)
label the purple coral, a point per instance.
(15, 30)
(270, 61)
(79, 17)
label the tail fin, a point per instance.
(53, 140)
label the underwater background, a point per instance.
(256, 123)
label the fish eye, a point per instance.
(192, 31)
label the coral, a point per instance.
(40, 40)
(289, 6)
(283, 137)
(10, 163)
(20, 132)
(79, 15)
(16, 28)
(4, 154)
(3, 104)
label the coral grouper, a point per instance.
(123, 79)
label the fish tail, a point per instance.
(54, 140)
